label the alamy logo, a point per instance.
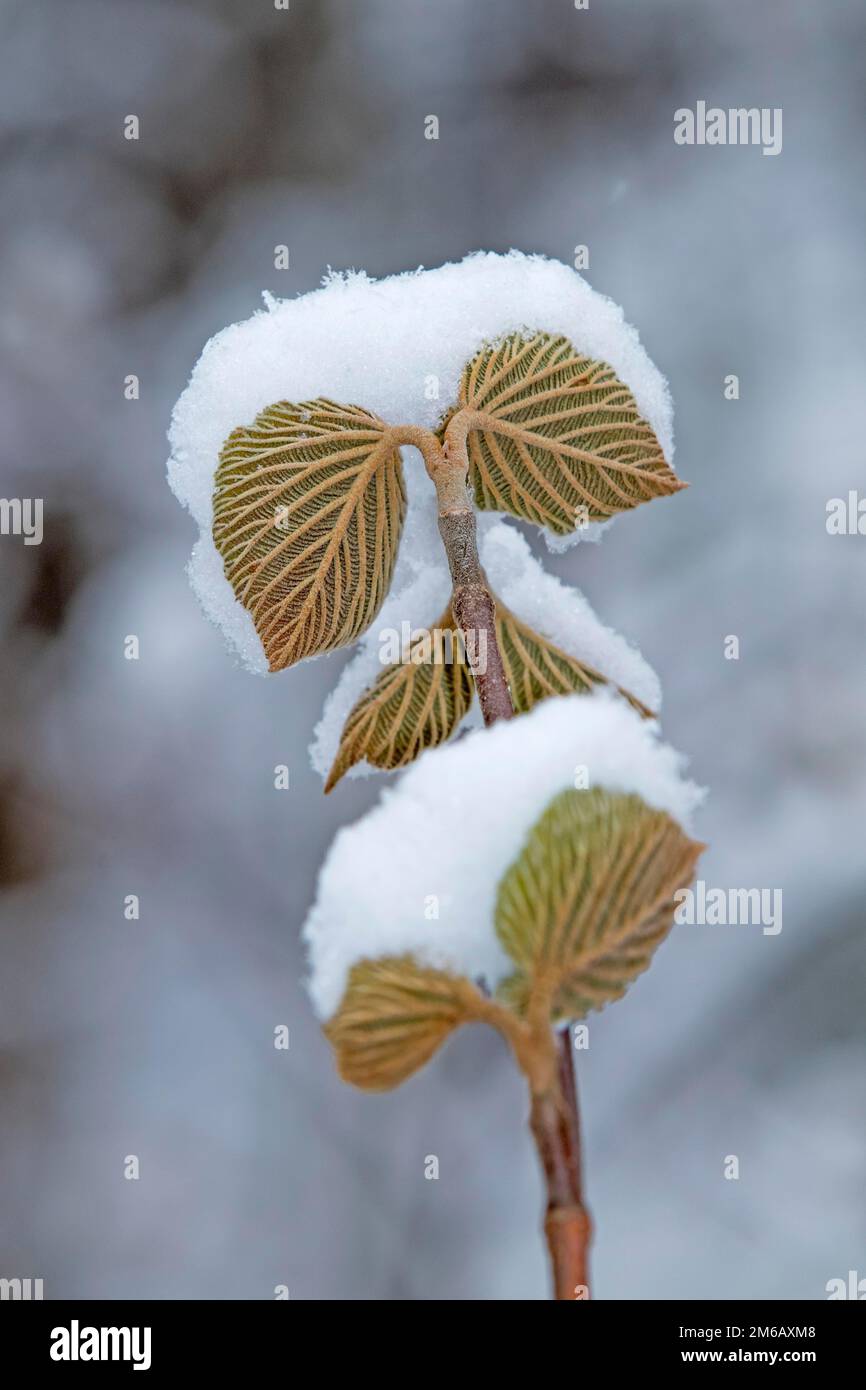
(76, 1343)
(21, 1289)
(734, 907)
(22, 516)
(436, 646)
(739, 125)
(846, 516)
(854, 1287)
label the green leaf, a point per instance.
(536, 669)
(393, 1017)
(412, 705)
(308, 509)
(556, 438)
(589, 898)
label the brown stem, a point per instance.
(475, 614)
(555, 1124)
(554, 1116)
(471, 600)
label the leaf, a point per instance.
(393, 1017)
(589, 898)
(535, 668)
(557, 438)
(412, 705)
(308, 509)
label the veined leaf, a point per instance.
(589, 898)
(535, 668)
(412, 705)
(393, 1016)
(557, 438)
(308, 509)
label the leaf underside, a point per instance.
(412, 705)
(589, 898)
(393, 1017)
(558, 439)
(308, 509)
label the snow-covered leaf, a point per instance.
(536, 668)
(412, 705)
(418, 874)
(557, 438)
(308, 509)
(589, 898)
(393, 1016)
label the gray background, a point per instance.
(155, 1037)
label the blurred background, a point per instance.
(154, 1037)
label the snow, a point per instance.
(207, 577)
(445, 833)
(555, 610)
(380, 344)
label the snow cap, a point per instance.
(445, 833)
(383, 345)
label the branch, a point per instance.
(554, 1117)
(555, 1124)
(471, 600)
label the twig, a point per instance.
(555, 1124)
(554, 1115)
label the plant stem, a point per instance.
(475, 614)
(554, 1116)
(472, 602)
(555, 1124)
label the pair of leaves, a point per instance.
(309, 501)
(580, 912)
(419, 703)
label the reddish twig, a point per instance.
(555, 1124)
(554, 1115)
